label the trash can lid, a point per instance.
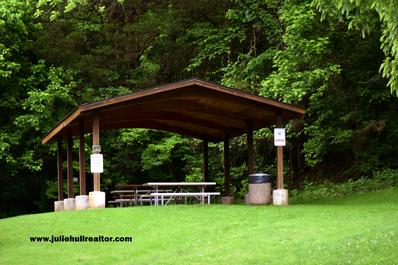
(260, 174)
(259, 178)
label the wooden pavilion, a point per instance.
(193, 107)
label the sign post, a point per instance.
(280, 194)
(279, 142)
(96, 197)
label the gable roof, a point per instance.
(192, 107)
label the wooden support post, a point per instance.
(82, 159)
(250, 164)
(96, 141)
(279, 156)
(60, 171)
(69, 158)
(227, 176)
(205, 161)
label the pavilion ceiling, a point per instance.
(191, 107)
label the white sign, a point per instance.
(97, 163)
(279, 137)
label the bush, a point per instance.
(382, 179)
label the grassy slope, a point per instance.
(361, 229)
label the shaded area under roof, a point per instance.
(193, 107)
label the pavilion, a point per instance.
(192, 107)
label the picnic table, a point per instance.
(131, 193)
(179, 190)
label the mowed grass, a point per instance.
(360, 229)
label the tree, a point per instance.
(32, 98)
(55, 55)
(319, 64)
(361, 16)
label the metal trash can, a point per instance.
(259, 188)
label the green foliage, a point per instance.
(384, 179)
(40, 103)
(159, 154)
(243, 46)
(213, 43)
(16, 27)
(173, 157)
(47, 95)
(52, 190)
(301, 71)
(141, 155)
(387, 177)
(239, 177)
(323, 55)
(195, 176)
(361, 16)
(33, 97)
(322, 139)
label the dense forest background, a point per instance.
(337, 59)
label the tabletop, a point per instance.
(180, 183)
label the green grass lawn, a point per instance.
(360, 229)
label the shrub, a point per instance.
(382, 179)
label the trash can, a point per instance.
(259, 188)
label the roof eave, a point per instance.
(95, 106)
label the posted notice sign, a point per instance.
(97, 163)
(279, 137)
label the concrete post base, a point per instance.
(96, 199)
(69, 204)
(81, 202)
(227, 200)
(58, 206)
(280, 197)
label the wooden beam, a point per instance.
(227, 176)
(279, 156)
(250, 164)
(198, 95)
(139, 94)
(205, 161)
(61, 125)
(96, 141)
(196, 118)
(69, 158)
(164, 89)
(82, 159)
(209, 134)
(244, 95)
(60, 173)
